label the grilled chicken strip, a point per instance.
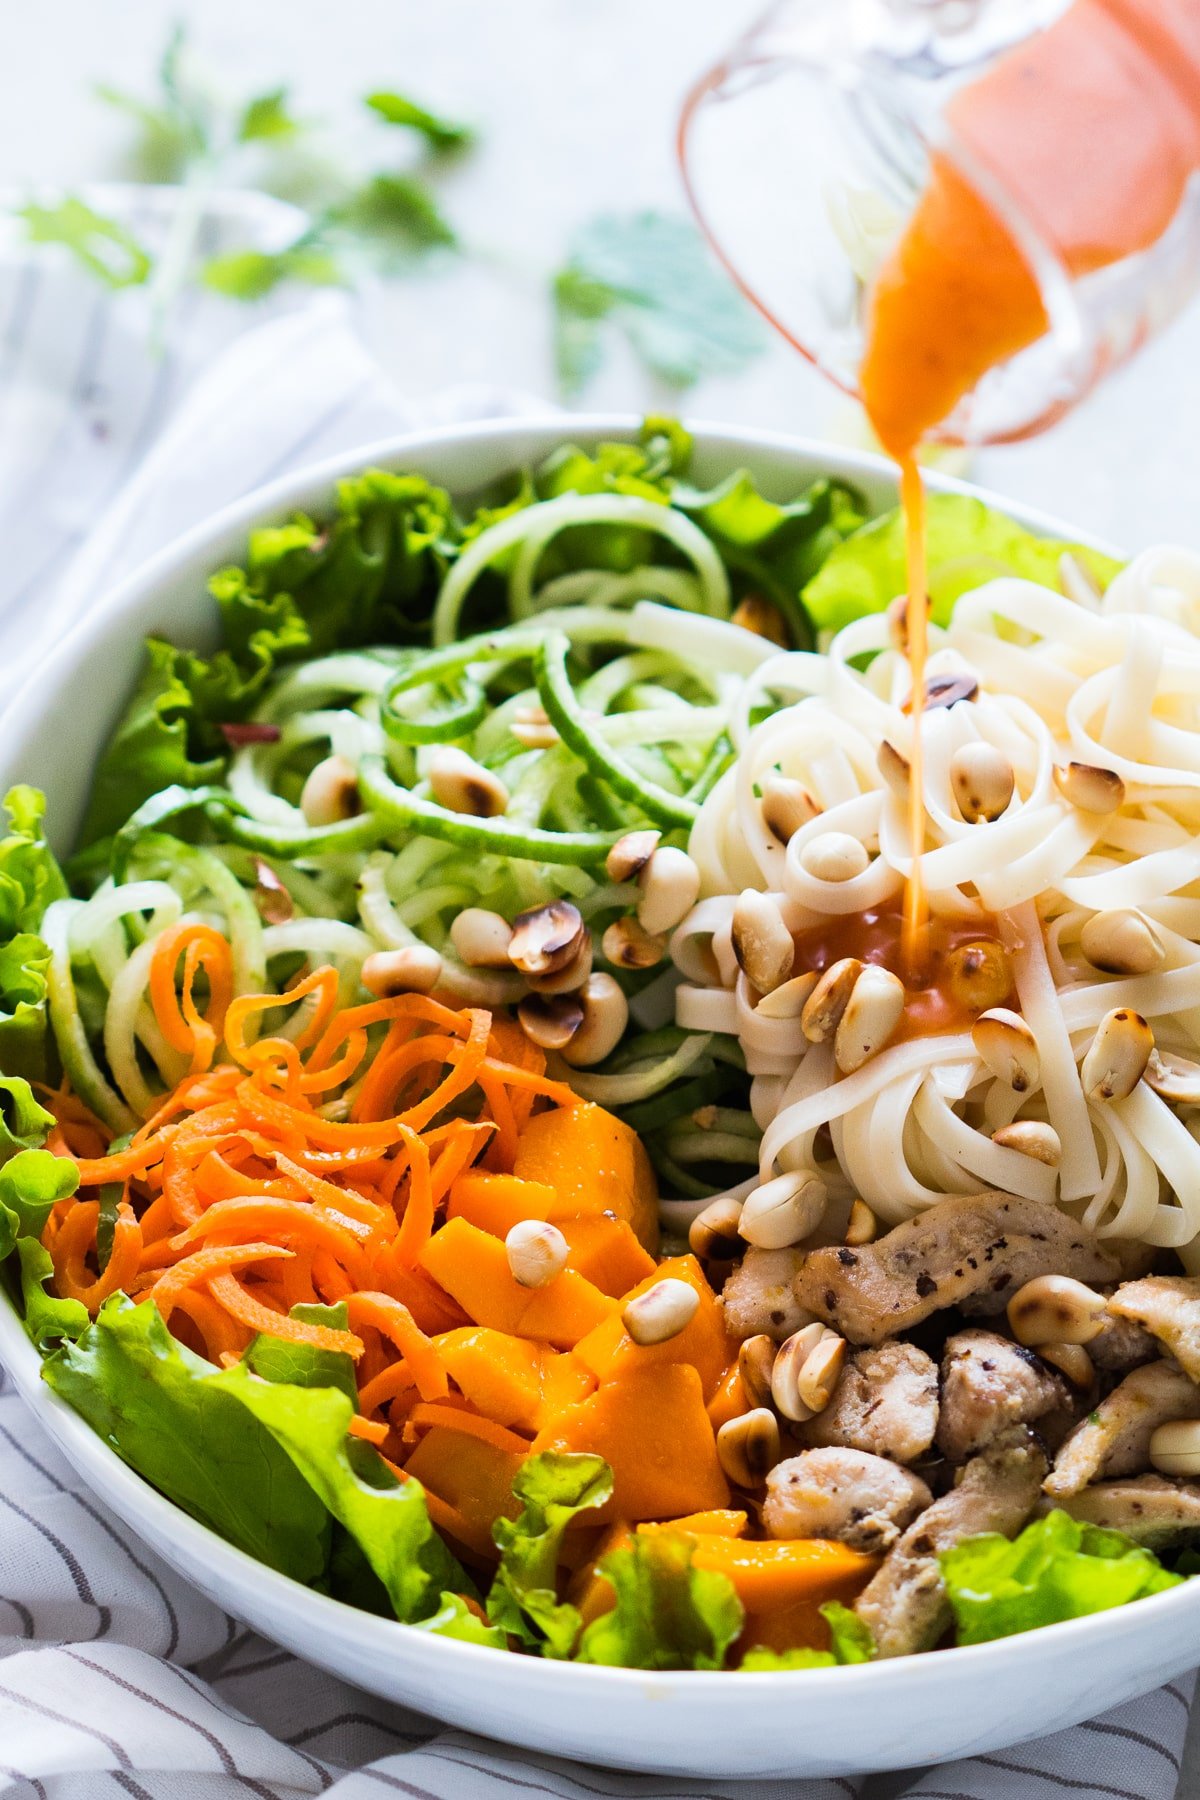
(1168, 1306)
(861, 1500)
(905, 1602)
(970, 1246)
(1150, 1509)
(989, 1384)
(1115, 1438)
(759, 1296)
(885, 1403)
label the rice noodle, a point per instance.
(1114, 683)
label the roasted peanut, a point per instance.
(1055, 1309)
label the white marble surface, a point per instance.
(577, 103)
(576, 100)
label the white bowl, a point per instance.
(822, 1722)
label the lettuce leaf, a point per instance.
(30, 879)
(668, 1614)
(31, 1182)
(554, 1489)
(24, 991)
(387, 1518)
(969, 543)
(164, 737)
(369, 576)
(1055, 1569)
(774, 550)
(23, 1122)
(303, 1365)
(171, 1416)
(47, 1318)
(455, 1619)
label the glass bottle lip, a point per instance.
(771, 48)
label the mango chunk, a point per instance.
(590, 1591)
(726, 1521)
(497, 1202)
(774, 1574)
(595, 1163)
(471, 1265)
(472, 1477)
(609, 1351)
(515, 1381)
(606, 1252)
(652, 1430)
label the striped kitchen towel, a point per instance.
(116, 1677)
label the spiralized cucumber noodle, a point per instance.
(635, 676)
(1112, 682)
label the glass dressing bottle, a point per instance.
(965, 211)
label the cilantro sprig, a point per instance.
(650, 276)
(191, 133)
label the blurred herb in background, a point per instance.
(647, 276)
(194, 135)
(651, 276)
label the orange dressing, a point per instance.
(935, 1001)
(1092, 127)
(912, 500)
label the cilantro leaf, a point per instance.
(668, 1614)
(267, 116)
(164, 144)
(397, 212)
(175, 128)
(397, 109)
(252, 274)
(554, 1490)
(650, 275)
(103, 245)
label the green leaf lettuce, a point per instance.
(668, 1615)
(969, 543)
(1055, 1569)
(554, 1490)
(170, 1415)
(387, 1518)
(31, 1182)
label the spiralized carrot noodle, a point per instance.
(388, 1385)
(373, 1431)
(321, 982)
(456, 1418)
(395, 1322)
(185, 1028)
(77, 1237)
(286, 1172)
